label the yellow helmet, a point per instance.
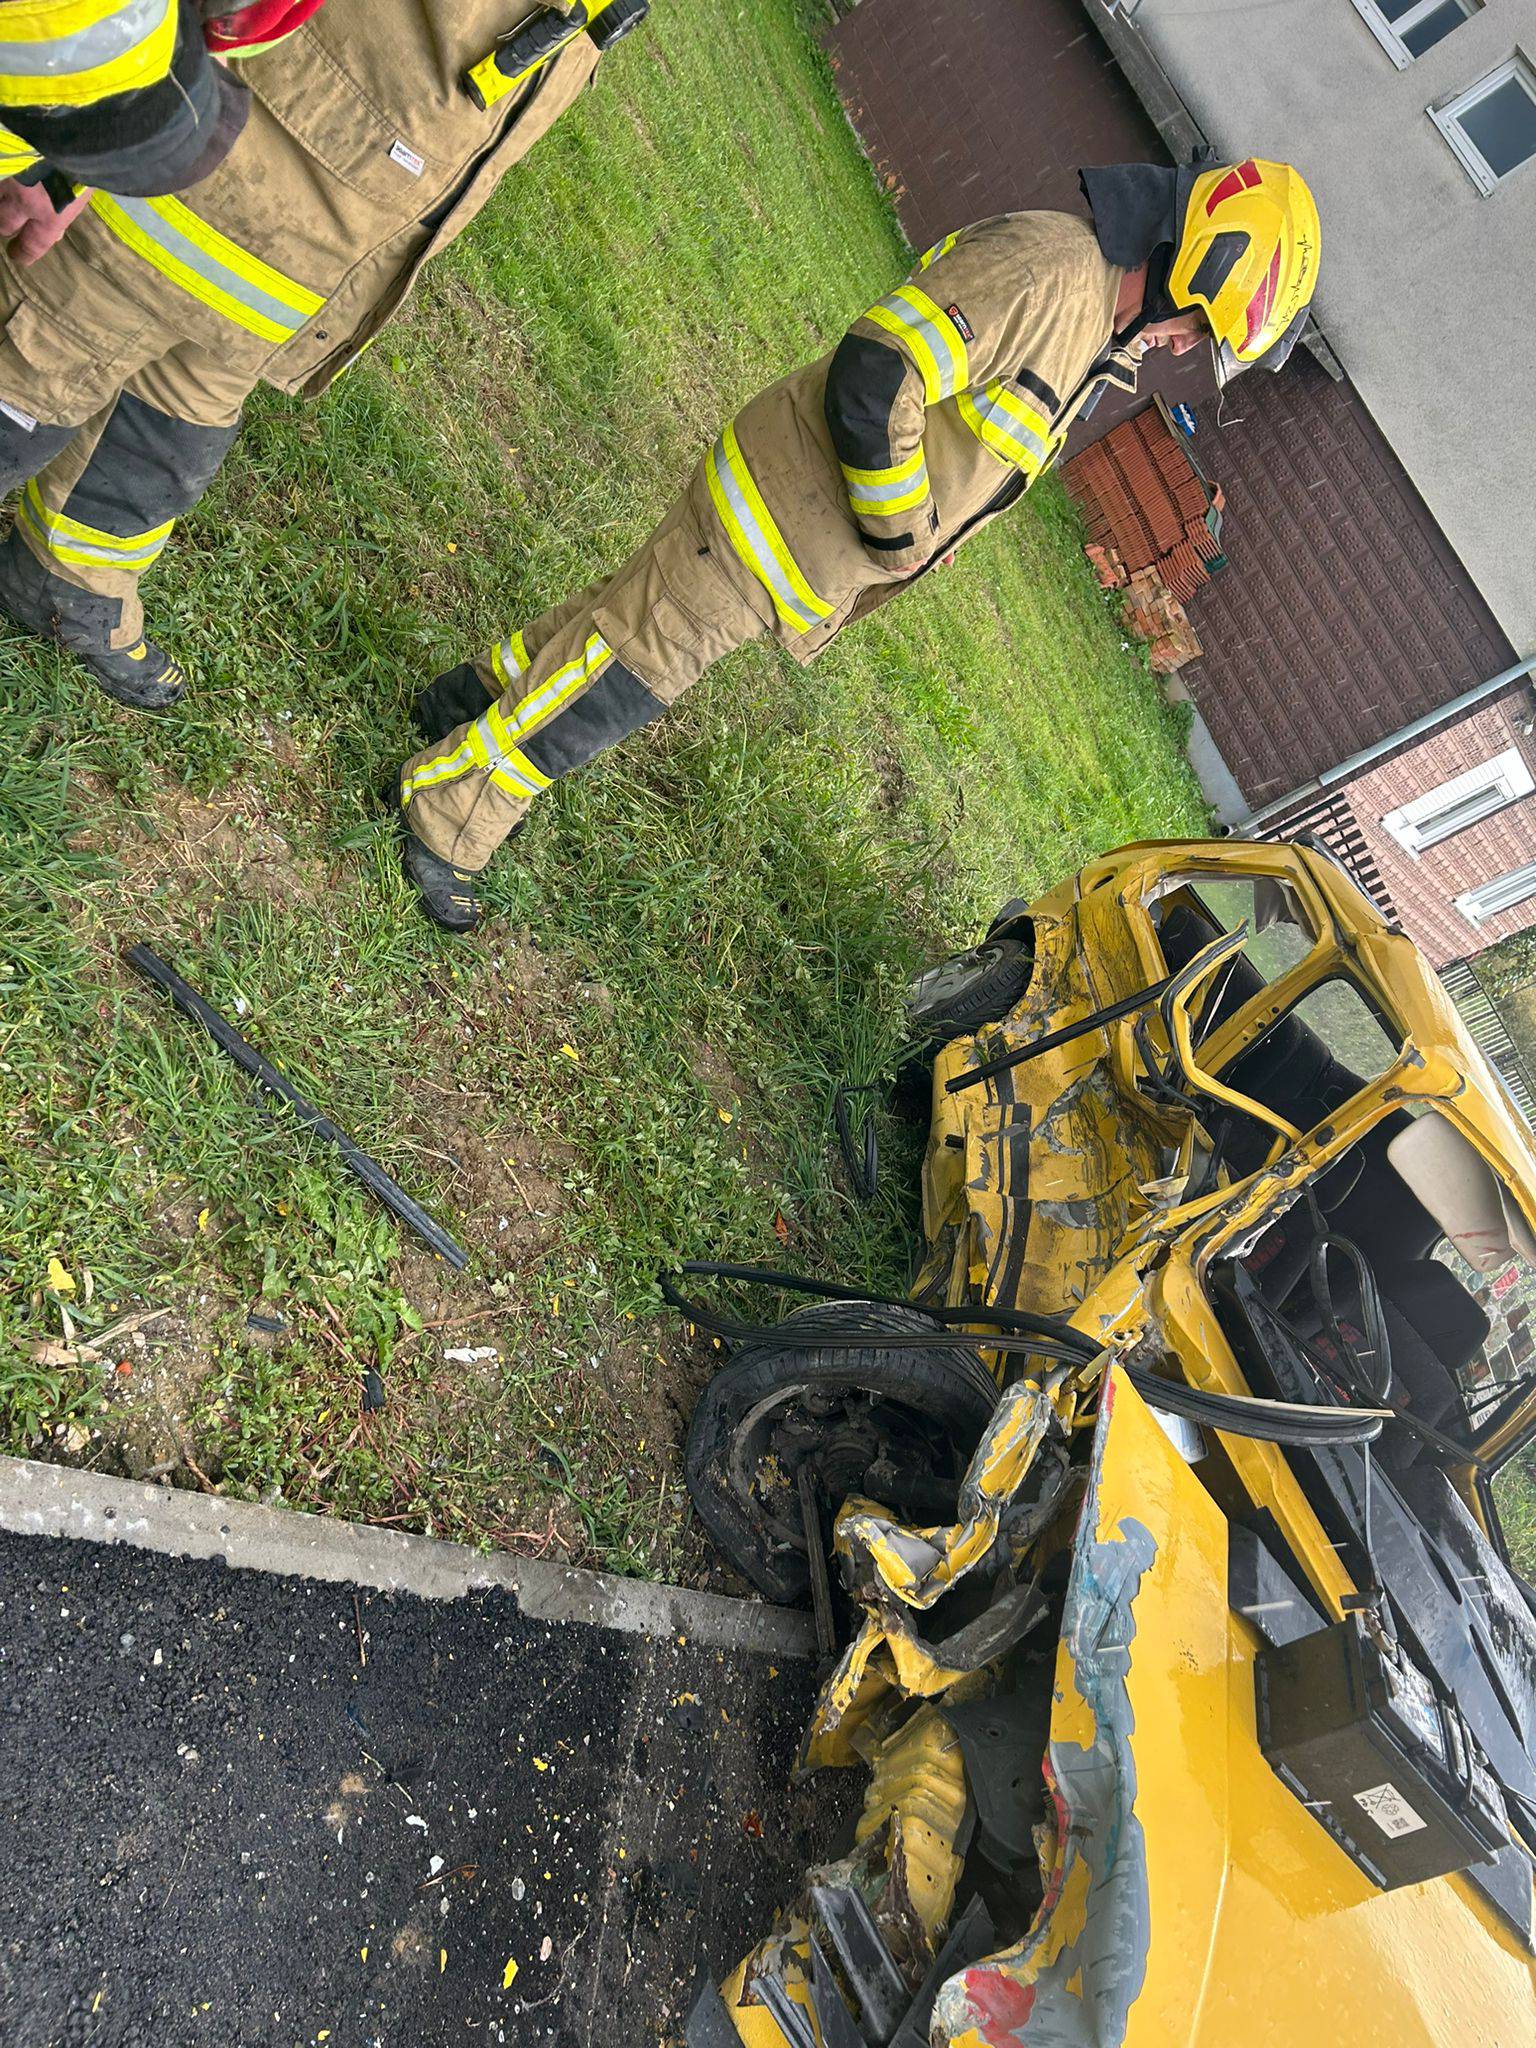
(1248, 257)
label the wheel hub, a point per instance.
(854, 1442)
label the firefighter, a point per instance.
(841, 483)
(372, 135)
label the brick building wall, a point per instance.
(1424, 885)
(1344, 613)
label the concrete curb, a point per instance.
(52, 1500)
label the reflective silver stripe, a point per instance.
(88, 48)
(916, 481)
(995, 414)
(564, 683)
(760, 557)
(222, 276)
(497, 761)
(941, 346)
(70, 540)
(68, 548)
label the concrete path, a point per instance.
(267, 1779)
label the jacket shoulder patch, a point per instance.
(962, 326)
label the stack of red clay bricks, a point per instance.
(1145, 507)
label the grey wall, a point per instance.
(1428, 290)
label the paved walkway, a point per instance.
(354, 1788)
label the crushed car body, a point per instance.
(1196, 1694)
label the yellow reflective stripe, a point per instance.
(206, 264)
(1028, 416)
(756, 538)
(70, 53)
(446, 769)
(1009, 426)
(897, 473)
(875, 493)
(540, 705)
(96, 534)
(491, 742)
(509, 764)
(70, 540)
(15, 155)
(511, 771)
(931, 338)
(510, 660)
(939, 249)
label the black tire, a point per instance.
(897, 1424)
(968, 990)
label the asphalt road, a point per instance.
(240, 1810)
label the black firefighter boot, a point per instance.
(447, 893)
(142, 676)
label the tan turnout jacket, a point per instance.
(939, 408)
(363, 156)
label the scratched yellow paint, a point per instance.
(1237, 1868)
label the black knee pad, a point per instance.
(147, 467)
(26, 450)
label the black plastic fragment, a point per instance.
(709, 2024)
(834, 2022)
(1002, 1741)
(261, 1070)
(864, 1960)
(972, 1937)
(1264, 1593)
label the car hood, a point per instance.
(1191, 1896)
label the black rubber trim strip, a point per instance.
(246, 1057)
(735, 1332)
(888, 544)
(1276, 1422)
(1127, 1006)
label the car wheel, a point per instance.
(896, 1424)
(969, 990)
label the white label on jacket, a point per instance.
(401, 153)
(22, 419)
(1390, 1811)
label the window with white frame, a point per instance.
(1492, 125)
(1502, 893)
(1405, 29)
(1451, 806)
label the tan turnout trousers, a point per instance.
(826, 495)
(584, 676)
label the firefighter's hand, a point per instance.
(29, 227)
(938, 562)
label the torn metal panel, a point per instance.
(1000, 1514)
(1072, 1980)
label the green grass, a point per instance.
(1515, 1492)
(695, 939)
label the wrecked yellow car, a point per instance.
(1166, 1608)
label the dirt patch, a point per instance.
(205, 847)
(150, 1365)
(502, 1196)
